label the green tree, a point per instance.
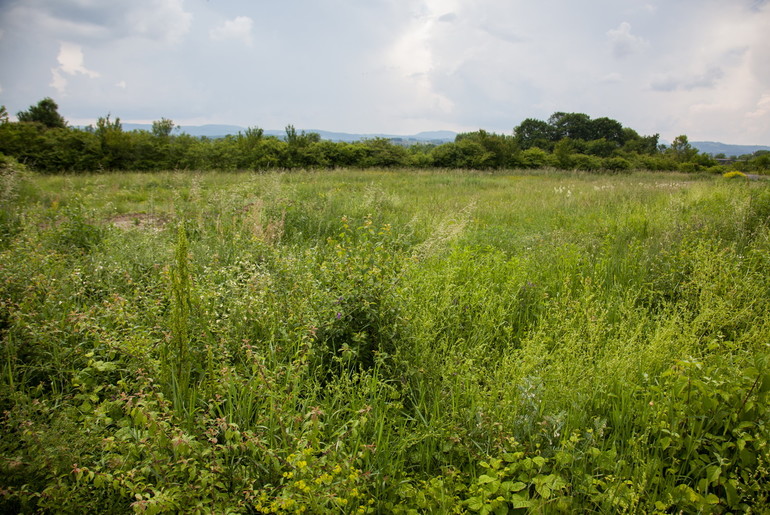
(45, 112)
(500, 150)
(571, 125)
(3, 115)
(117, 146)
(609, 129)
(534, 133)
(681, 150)
(162, 128)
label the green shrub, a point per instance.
(616, 164)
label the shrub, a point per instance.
(616, 164)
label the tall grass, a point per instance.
(385, 341)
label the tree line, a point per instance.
(43, 140)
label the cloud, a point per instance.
(58, 81)
(624, 43)
(762, 110)
(396, 66)
(238, 29)
(158, 20)
(501, 32)
(71, 62)
(705, 80)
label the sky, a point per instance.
(694, 67)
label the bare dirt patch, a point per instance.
(142, 221)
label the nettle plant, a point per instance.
(361, 322)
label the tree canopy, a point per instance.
(46, 112)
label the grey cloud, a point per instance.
(501, 32)
(448, 17)
(705, 80)
(623, 42)
(162, 20)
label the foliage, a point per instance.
(384, 341)
(44, 112)
(12, 177)
(569, 141)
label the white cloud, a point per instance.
(238, 29)
(761, 113)
(163, 20)
(624, 43)
(71, 62)
(121, 84)
(58, 81)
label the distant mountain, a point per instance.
(220, 131)
(713, 148)
(210, 131)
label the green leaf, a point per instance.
(732, 493)
(713, 472)
(484, 479)
(522, 501)
(475, 503)
(543, 490)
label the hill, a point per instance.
(714, 147)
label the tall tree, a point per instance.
(681, 150)
(609, 129)
(46, 112)
(571, 125)
(162, 128)
(534, 133)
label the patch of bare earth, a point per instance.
(142, 221)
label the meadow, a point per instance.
(384, 341)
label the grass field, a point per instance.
(384, 342)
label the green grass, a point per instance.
(384, 341)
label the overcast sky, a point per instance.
(694, 67)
